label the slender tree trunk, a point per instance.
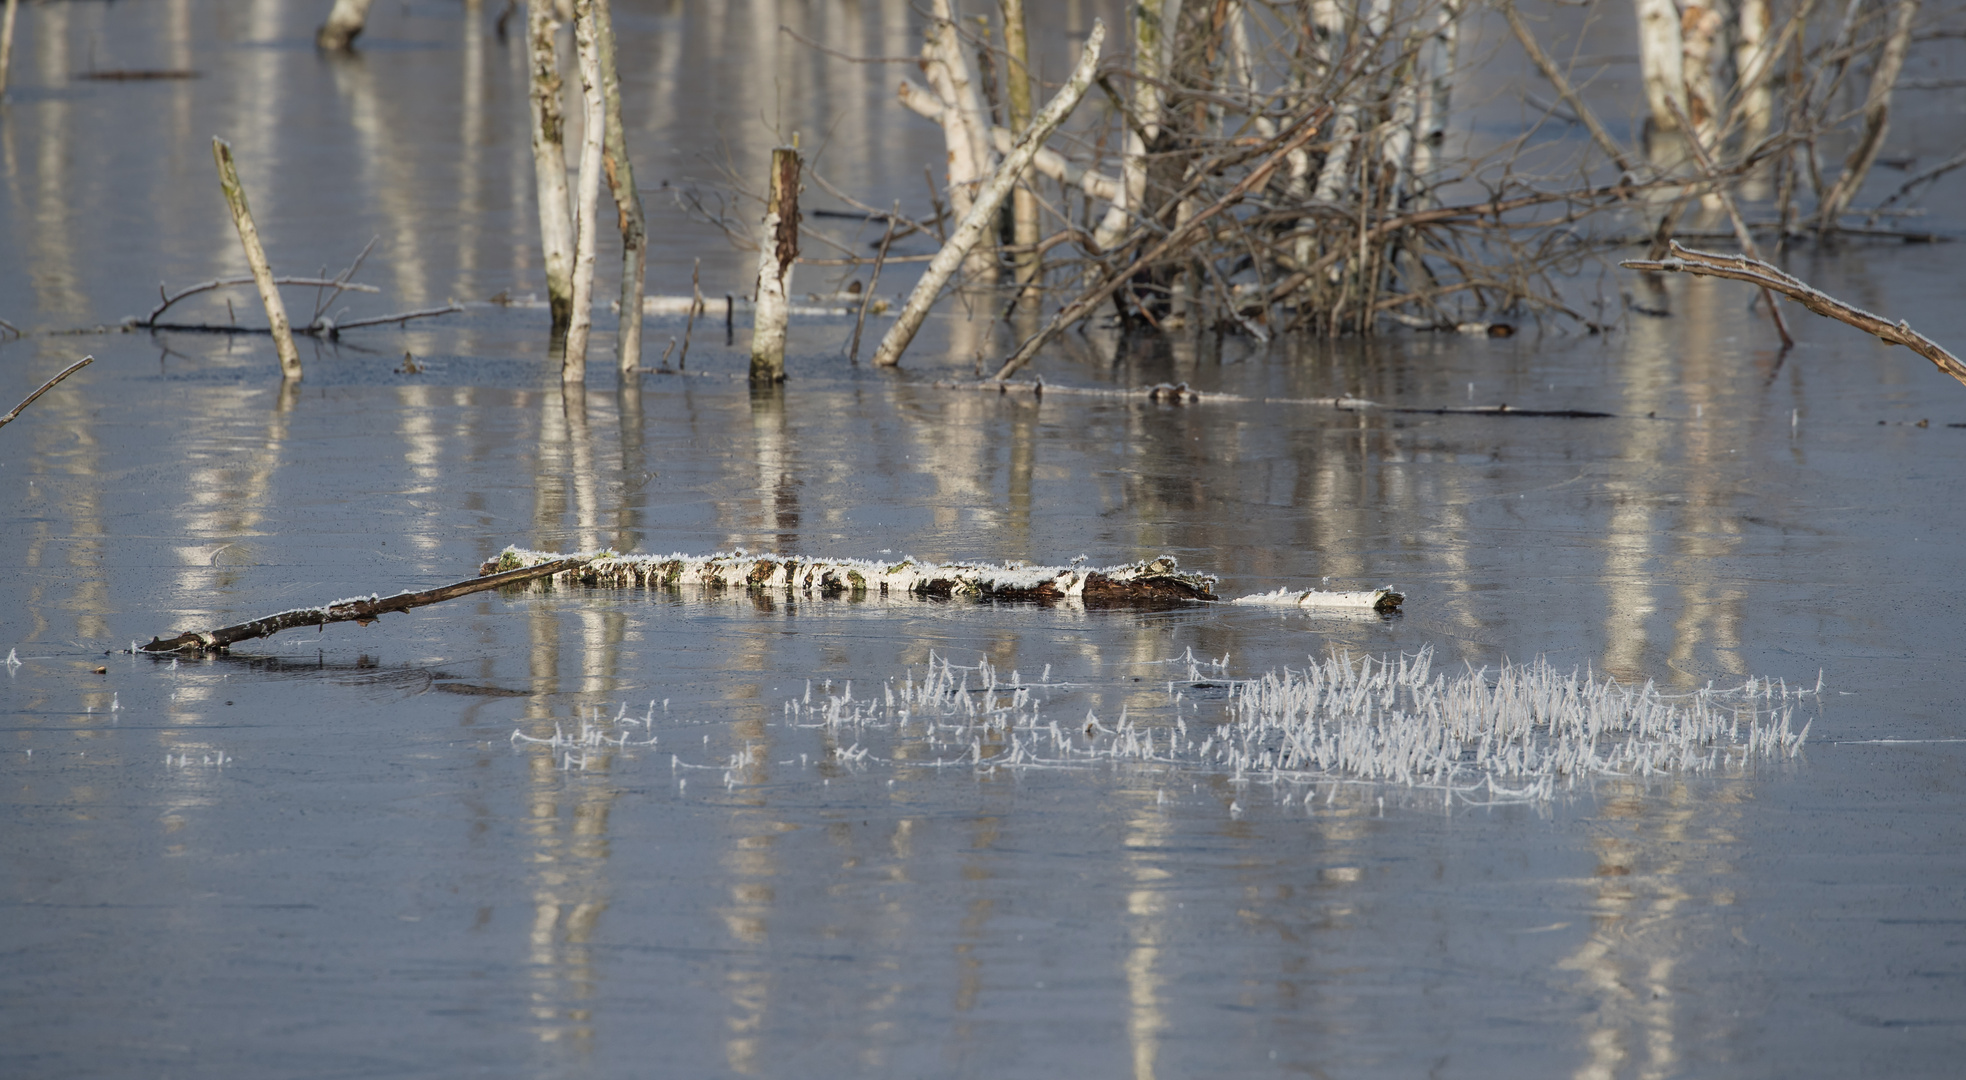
(778, 249)
(1754, 54)
(1153, 38)
(573, 368)
(1699, 30)
(627, 202)
(550, 161)
(344, 25)
(1662, 66)
(965, 124)
(1877, 118)
(982, 213)
(269, 293)
(1023, 201)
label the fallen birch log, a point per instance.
(1755, 272)
(1151, 583)
(358, 609)
(1382, 600)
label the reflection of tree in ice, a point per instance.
(1515, 733)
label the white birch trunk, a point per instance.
(1437, 60)
(345, 21)
(1700, 26)
(1877, 117)
(982, 213)
(1661, 64)
(549, 159)
(778, 250)
(1018, 79)
(1754, 55)
(965, 126)
(627, 201)
(593, 129)
(1153, 26)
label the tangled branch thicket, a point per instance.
(1269, 165)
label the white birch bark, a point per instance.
(620, 172)
(1153, 42)
(1437, 60)
(1661, 63)
(982, 213)
(345, 22)
(1047, 162)
(1018, 79)
(593, 129)
(965, 125)
(1877, 117)
(1699, 28)
(778, 250)
(549, 159)
(1754, 56)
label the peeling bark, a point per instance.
(778, 249)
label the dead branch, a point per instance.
(1755, 272)
(222, 283)
(47, 386)
(360, 610)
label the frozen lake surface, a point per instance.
(357, 852)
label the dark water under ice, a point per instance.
(326, 855)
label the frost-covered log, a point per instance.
(357, 609)
(1154, 582)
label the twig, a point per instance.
(399, 317)
(338, 284)
(358, 610)
(1756, 272)
(695, 305)
(47, 386)
(340, 280)
(866, 298)
(1307, 126)
(1556, 79)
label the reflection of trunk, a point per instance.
(7, 42)
(343, 26)
(627, 201)
(778, 249)
(1877, 118)
(549, 160)
(573, 367)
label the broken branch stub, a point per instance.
(778, 250)
(983, 212)
(1755, 272)
(47, 386)
(269, 293)
(362, 610)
